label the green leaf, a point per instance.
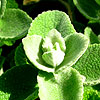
(11, 4)
(66, 85)
(2, 59)
(90, 9)
(89, 64)
(0, 51)
(53, 37)
(97, 1)
(2, 7)
(55, 19)
(9, 60)
(90, 34)
(18, 83)
(54, 57)
(33, 49)
(33, 96)
(20, 57)
(76, 45)
(6, 42)
(53, 47)
(14, 24)
(90, 94)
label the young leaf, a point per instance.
(66, 85)
(89, 64)
(76, 45)
(20, 57)
(14, 24)
(90, 34)
(2, 7)
(18, 83)
(54, 48)
(51, 20)
(90, 9)
(32, 46)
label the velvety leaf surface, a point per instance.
(14, 24)
(20, 57)
(89, 64)
(18, 83)
(90, 9)
(76, 45)
(66, 85)
(33, 50)
(91, 35)
(2, 7)
(51, 20)
(90, 94)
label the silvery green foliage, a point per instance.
(52, 48)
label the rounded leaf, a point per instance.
(14, 24)
(89, 64)
(66, 85)
(49, 20)
(90, 9)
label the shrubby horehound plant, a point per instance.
(53, 61)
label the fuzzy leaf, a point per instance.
(66, 85)
(90, 34)
(76, 45)
(49, 20)
(32, 46)
(17, 83)
(52, 37)
(14, 24)
(54, 57)
(90, 9)
(54, 48)
(90, 94)
(89, 64)
(2, 7)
